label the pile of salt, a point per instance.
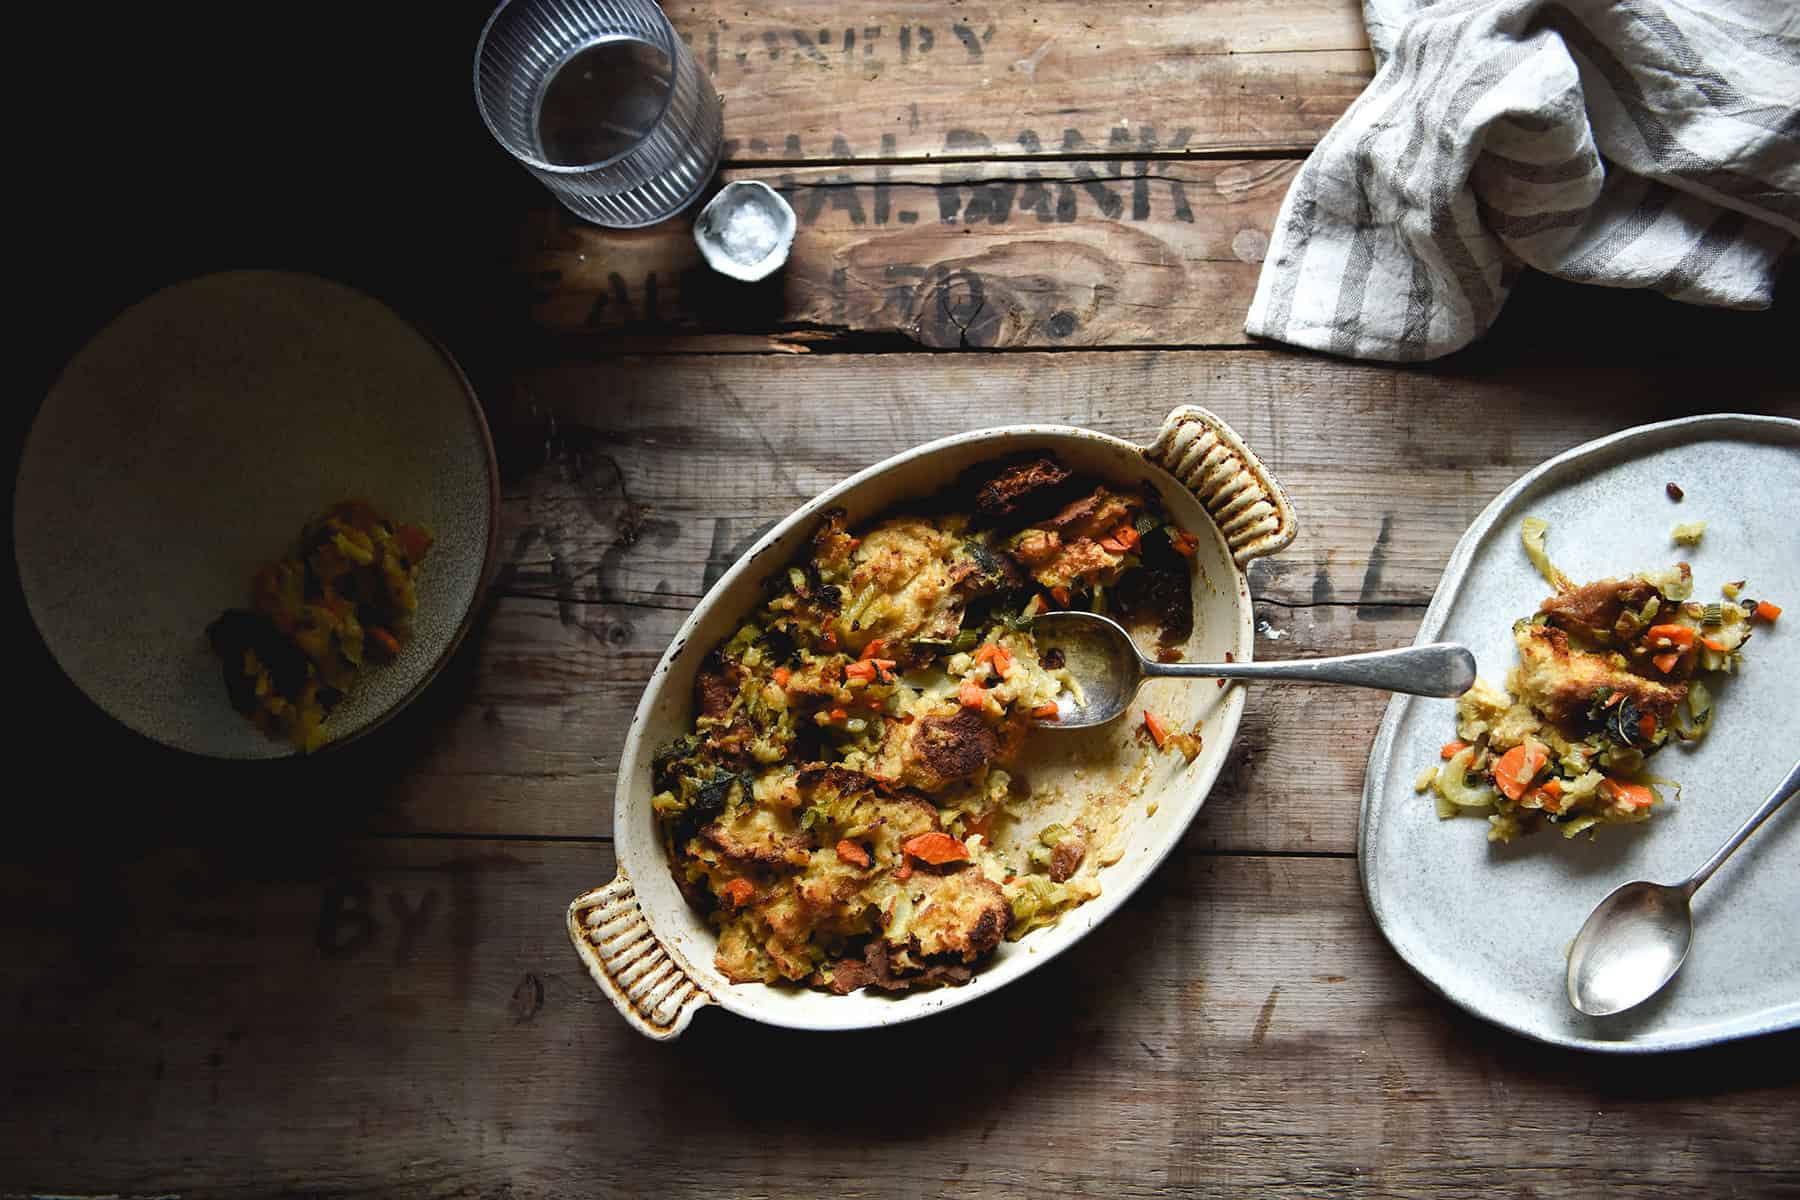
(750, 233)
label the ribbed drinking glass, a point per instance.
(603, 103)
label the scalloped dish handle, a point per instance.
(1208, 456)
(640, 977)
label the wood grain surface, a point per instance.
(380, 1000)
(994, 254)
(980, 175)
(809, 81)
(404, 1018)
(348, 977)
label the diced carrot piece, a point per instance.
(738, 892)
(781, 675)
(905, 871)
(414, 541)
(848, 851)
(1647, 726)
(1545, 799)
(1666, 662)
(935, 848)
(1552, 786)
(1045, 712)
(1766, 611)
(1452, 749)
(1158, 734)
(859, 670)
(1112, 545)
(1061, 596)
(1515, 769)
(384, 639)
(874, 647)
(1613, 699)
(838, 714)
(829, 639)
(1127, 536)
(1184, 542)
(1670, 635)
(1714, 646)
(1635, 794)
(972, 694)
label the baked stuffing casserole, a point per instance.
(855, 757)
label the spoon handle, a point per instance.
(1782, 793)
(1440, 669)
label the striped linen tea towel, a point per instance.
(1625, 143)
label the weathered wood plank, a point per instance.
(969, 254)
(807, 80)
(405, 1019)
(640, 482)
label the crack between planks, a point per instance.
(603, 347)
(1298, 604)
(438, 835)
(1090, 154)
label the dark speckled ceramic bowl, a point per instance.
(191, 440)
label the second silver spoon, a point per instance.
(1638, 937)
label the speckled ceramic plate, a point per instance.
(1489, 926)
(191, 440)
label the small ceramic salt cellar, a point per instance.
(746, 231)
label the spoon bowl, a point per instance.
(1101, 656)
(1632, 944)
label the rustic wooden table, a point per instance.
(351, 978)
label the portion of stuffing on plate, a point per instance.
(855, 751)
(1609, 673)
(342, 603)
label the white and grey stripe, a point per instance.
(1625, 143)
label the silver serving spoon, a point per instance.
(1638, 937)
(1100, 655)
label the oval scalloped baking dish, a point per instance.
(652, 954)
